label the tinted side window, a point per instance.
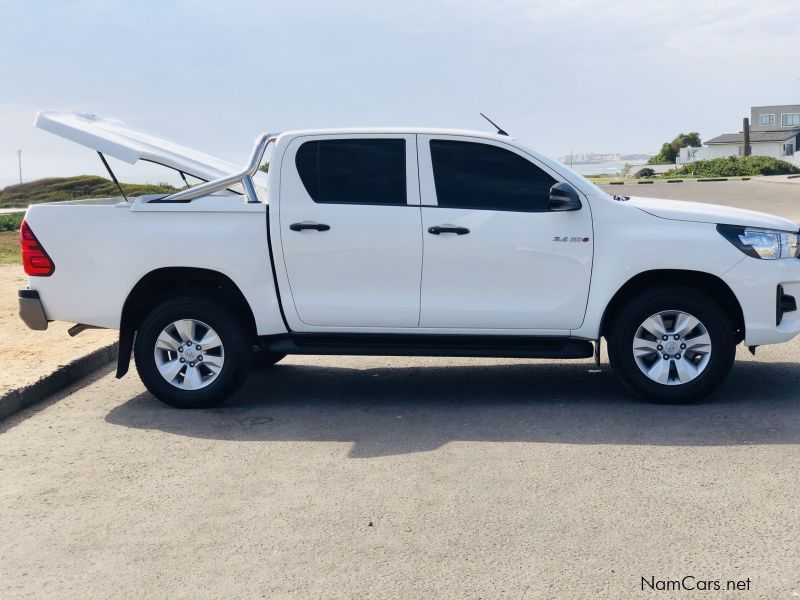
(474, 175)
(369, 171)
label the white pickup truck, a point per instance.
(404, 241)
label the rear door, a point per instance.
(350, 231)
(495, 256)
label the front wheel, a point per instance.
(672, 345)
(192, 352)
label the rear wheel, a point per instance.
(192, 352)
(672, 345)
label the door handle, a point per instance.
(438, 229)
(314, 226)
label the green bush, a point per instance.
(644, 173)
(55, 189)
(667, 154)
(11, 222)
(735, 166)
(670, 150)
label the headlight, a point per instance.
(762, 243)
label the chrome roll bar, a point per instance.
(244, 177)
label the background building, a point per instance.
(774, 131)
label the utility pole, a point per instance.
(19, 160)
(746, 131)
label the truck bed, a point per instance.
(102, 247)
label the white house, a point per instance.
(774, 131)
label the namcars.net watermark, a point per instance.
(690, 583)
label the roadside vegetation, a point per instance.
(10, 222)
(735, 166)
(56, 189)
(670, 150)
(731, 166)
(9, 238)
(9, 248)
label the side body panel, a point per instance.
(101, 252)
(629, 241)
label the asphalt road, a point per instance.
(352, 477)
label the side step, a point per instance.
(369, 344)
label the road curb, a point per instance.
(15, 400)
(662, 181)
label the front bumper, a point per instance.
(763, 289)
(30, 309)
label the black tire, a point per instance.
(263, 359)
(673, 298)
(235, 339)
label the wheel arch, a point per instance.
(159, 284)
(710, 284)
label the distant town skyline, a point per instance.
(602, 156)
(560, 76)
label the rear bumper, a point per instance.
(30, 309)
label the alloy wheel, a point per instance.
(189, 354)
(672, 347)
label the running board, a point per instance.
(368, 344)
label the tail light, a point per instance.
(35, 259)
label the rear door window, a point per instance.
(354, 171)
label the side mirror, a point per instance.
(564, 197)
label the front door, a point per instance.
(350, 231)
(495, 256)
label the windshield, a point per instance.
(574, 177)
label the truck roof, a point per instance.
(397, 130)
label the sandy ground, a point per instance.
(26, 355)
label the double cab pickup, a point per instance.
(400, 241)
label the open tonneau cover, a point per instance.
(115, 138)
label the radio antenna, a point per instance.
(500, 130)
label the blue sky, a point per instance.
(586, 75)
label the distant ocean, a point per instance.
(604, 168)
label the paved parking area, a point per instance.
(782, 199)
(353, 477)
(405, 478)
